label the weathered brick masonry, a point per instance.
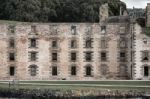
(68, 51)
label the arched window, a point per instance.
(33, 70)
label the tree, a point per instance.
(56, 10)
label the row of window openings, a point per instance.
(88, 56)
(88, 69)
(88, 43)
(73, 56)
(33, 71)
(73, 29)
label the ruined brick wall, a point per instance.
(103, 13)
(141, 54)
(148, 15)
(110, 67)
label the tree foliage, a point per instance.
(56, 10)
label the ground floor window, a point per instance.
(54, 71)
(73, 70)
(88, 71)
(33, 70)
(12, 71)
(146, 71)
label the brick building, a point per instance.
(67, 51)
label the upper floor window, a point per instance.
(73, 43)
(33, 56)
(54, 44)
(103, 56)
(103, 29)
(33, 28)
(122, 43)
(88, 56)
(54, 56)
(11, 29)
(33, 70)
(73, 30)
(122, 56)
(88, 30)
(103, 43)
(73, 56)
(12, 56)
(54, 29)
(122, 30)
(88, 43)
(33, 42)
(145, 56)
(11, 43)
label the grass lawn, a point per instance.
(77, 85)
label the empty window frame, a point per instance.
(12, 43)
(54, 56)
(73, 70)
(88, 71)
(88, 56)
(146, 71)
(54, 71)
(73, 56)
(12, 71)
(88, 43)
(33, 56)
(33, 70)
(145, 56)
(73, 30)
(122, 56)
(103, 56)
(12, 56)
(73, 44)
(33, 42)
(54, 44)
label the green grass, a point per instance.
(93, 82)
(147, 31)
(82, 85)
